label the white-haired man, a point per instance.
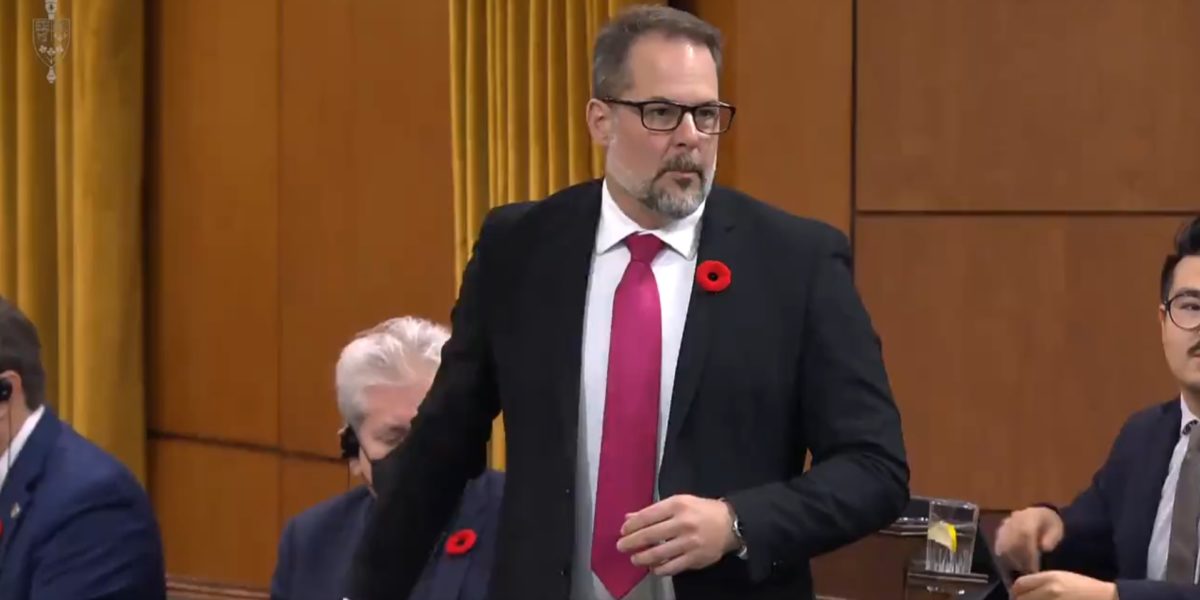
(382, 377)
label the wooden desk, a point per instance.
(182, 588)
(870, 569)
(873, 568)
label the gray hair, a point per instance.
(401, 351)
(609, 76)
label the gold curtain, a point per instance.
(71, 173)
(520, 80)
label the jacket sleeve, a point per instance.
(281, 579)
(1156, 590)
(858, 482)
(108, 546)
(421, 482)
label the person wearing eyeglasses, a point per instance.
(665, 353)
(1133, 533)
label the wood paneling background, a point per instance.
(365, 155)
(1017, 345)
(1073, 105)
(213, 234)
(1012, 174)
(299, 191)
(788, 69)
(217, 506)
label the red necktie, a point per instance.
(629, 443)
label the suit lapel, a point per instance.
(360, 517)
(12, 505)
(450, 572)
(1149, 486)
(17, 495)
(717, 242)
(561, 268)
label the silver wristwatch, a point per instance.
(737, 530)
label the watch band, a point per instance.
(742, 550)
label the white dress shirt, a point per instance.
(9, 457)
(674, 269)
(1160, 538)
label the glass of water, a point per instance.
(950, 543)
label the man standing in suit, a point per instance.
(665, 354)
(74, 522)
(1133, 533)
(382, 376)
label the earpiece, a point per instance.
(6, 389)
(348, 440)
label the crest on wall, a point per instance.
(51, 39)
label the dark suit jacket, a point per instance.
(1107, 528)
(76, 523)
(318, 544)
(782, 362)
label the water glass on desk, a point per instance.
(950, 543)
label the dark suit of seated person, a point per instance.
(74, 522)
(1133, 534)
(382, 377)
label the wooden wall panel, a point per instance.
(367, 232)
(1016, 345)
(299, 191)
(213, 291)
(1052, 105)
(218, 508)
(306, 482)
(788, 68)
(724, 15)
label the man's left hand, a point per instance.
(678, 534)
(1061, 585)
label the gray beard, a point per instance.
(676, 207)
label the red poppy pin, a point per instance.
(461, 542)
(714, 276)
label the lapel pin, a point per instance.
(16, 511)
(713, 276)
(461, 542)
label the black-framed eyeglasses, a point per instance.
(1184, 310)
(712, 118)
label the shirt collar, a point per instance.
(18, 442)
(681, 236)
(1185, 416)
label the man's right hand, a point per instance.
(1025, 535)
